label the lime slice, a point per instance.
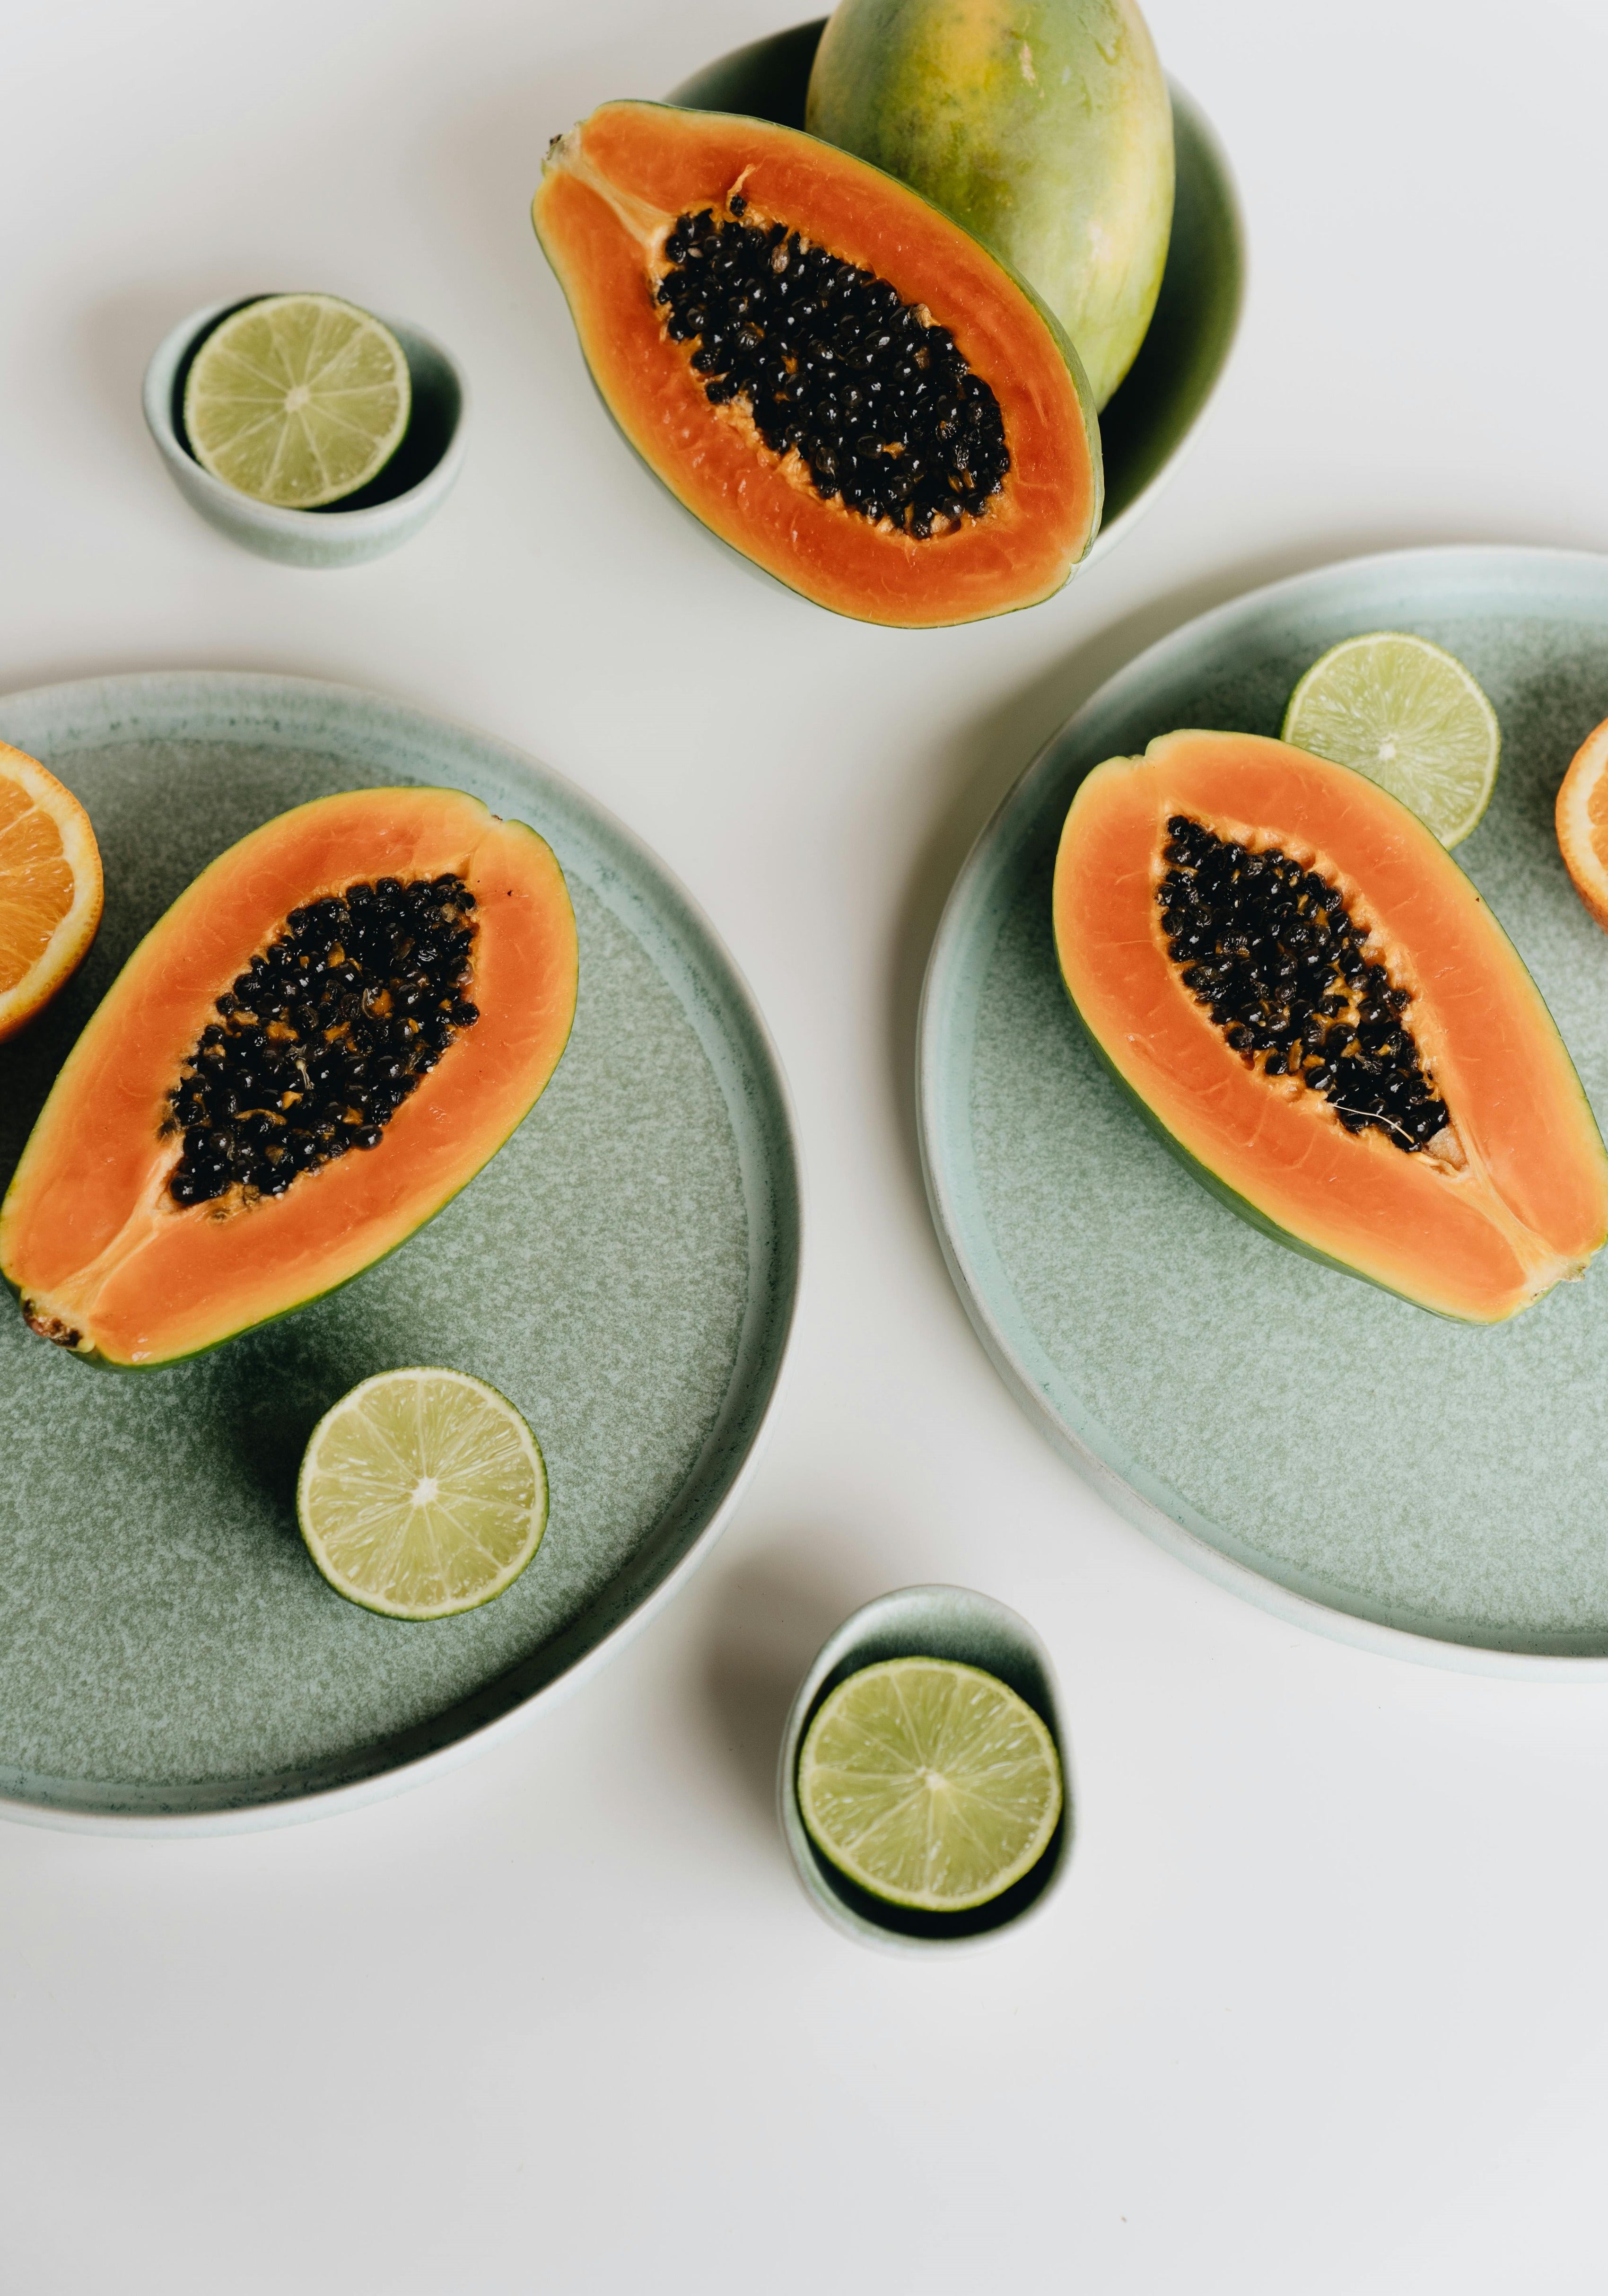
(297, 400)
(928, 1784)
(1408, 715)
(422, 1493)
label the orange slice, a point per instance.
(50, 887)
(1582, 820)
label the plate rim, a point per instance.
(262, 1803)
(935, 1022)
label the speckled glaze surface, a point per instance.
(407, 493)
(1334, 1454)
(950, 1622)
(624, 1270)
(1155, 411)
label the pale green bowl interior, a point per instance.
(623, 1270)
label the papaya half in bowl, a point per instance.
(829, 373)
(1156, 410)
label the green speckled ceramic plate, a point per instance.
(1155, 412)
(624, 1270)
(1337, 1456)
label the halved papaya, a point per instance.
(324, 1038)
(829, 373)
(1318, 1014)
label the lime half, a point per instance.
(422, 1493)
(297, 400)
(1409, 716)
(928, 1784)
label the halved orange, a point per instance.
(50, 887)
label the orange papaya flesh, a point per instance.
(102, 1258)
(1509, 1197)
(612, 192)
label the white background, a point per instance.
(1323, 2006)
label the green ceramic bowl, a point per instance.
(974, 1629)
(389, 511)
(1157, 409)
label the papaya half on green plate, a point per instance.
(324, 1038)
(1320, 1016)
(830, 374)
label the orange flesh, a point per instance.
(36, 882)
(88, 1234)
(661, 163)
(1479, 1241)
(1582, 822)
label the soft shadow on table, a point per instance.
(770, 1617)
(977, 770)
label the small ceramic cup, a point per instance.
(925, 1622)
(410, 489)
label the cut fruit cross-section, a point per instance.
(297, 400)
(1582, 822)
(930, 1783)
(50, 887)
(422, 1493)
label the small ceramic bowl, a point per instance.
(1156, 409)
(410, 489)
(925, 1622)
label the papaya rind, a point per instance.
(85, 1047)
(1065, 350)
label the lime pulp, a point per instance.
(1410, 717)
(297, 400)
(930, 1783)
(422, 1493)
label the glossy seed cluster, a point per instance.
(833, 364)
(322, 1038)
(1272, 949)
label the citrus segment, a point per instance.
(1582, 822)
(930, 1784)
(422, 1493)
(1408, 715)
(297, 400)
(50, 887)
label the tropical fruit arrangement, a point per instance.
(871, 357)
(331, 1031)
(1308, 1000)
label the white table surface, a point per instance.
(1323, 2006)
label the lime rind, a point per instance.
(423, 1493)
(930, 1783)
(1408, 715)
(297, 400)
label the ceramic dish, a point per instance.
(624, 1270)
(410, 489)
(948, 1622)
(1157, 408)
(1342, 1458)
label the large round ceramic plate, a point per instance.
(1155, 411)
(624, 1270)
(1334, 1453)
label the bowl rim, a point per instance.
(156, 392)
